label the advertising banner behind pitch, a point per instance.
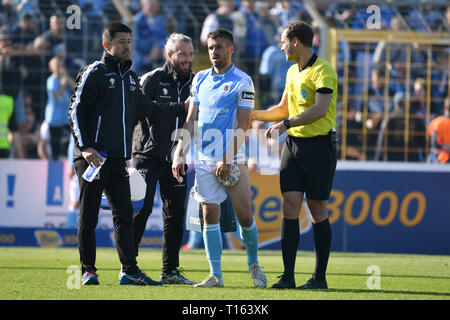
(32, 192)
(373, 207)
(35, 193)
(379, 207)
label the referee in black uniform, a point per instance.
(102, 113)
(308, 158)
(152, 147)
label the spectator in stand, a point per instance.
(286, 11)
(221, 18)
(93, 8)
(397, 54)
(29, 62)
(151, 35)
(440, 78)
(26, 31)
(353, 142)
(26, 7)
(251, 40)
(64, 44)
(359, 55)
(446, 27)
(9, 92)
(439, 130)
(56, 35)
(376, 108)
(9, 134)
(269, 23)
(404, 146)
(89, 34)
(8, 14)
(9, 63)
(59, 88)
(29, 132)
(433, 17)
(272, 71)
(418, 99)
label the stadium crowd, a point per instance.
(40, 57)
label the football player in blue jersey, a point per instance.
(221, 103)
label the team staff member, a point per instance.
(102, 113)
(152, 147)
(308, 158)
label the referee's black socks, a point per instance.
(290, 237)
(322, 245)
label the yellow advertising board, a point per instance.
(267, 204)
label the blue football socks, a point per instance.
(249, 237)
(212, 237)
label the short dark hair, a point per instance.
(300, 30)
(109, 32)
(221, 33)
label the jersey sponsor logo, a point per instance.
(248, 95)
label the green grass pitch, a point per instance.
(42, 274)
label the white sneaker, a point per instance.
(258, 276)
(210, 281)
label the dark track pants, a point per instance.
(173, 196)
(114, 181)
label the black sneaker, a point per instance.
(176, 277)
(285, 282)
(314, 283)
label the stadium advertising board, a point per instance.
(393, 208)
(35, 193)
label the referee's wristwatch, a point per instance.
(287, 123)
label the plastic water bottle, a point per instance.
(91, 172)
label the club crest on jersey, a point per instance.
(111, 83)
(226, 88)
(303, 93)
(132, 81)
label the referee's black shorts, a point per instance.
(308, 165)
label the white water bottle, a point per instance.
(90, 173)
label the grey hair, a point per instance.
(172, 42)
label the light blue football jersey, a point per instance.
(218, 98)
